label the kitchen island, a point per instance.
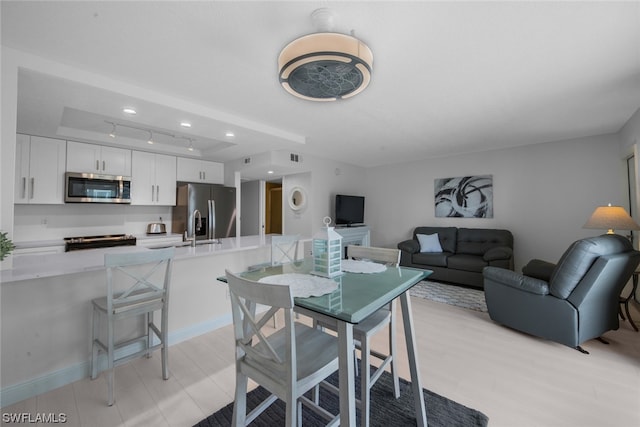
(46, 308)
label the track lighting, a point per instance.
(113, 130)
(114, 125)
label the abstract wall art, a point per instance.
(464, 197)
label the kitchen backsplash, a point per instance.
(51, 222)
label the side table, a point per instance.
(625, 300)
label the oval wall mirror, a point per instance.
(297, 198)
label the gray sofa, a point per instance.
(465, 252)
(569, 302)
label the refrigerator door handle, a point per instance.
(212, 219)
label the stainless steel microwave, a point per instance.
(95, 188)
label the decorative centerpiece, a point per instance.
(327, 251)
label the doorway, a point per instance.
(273, 208)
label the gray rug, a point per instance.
(450, 294)
(385, 410)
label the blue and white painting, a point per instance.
(464, 197)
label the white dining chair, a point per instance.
(137, 285)
(284, 249)
(287, 362)
(363, 331)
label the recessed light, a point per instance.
(129, 110)
(229, 134)
(270, 172)
(185, 124)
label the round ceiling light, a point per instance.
(325, 66)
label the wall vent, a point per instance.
(247, 160)
(295, 158)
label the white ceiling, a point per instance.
(448, 77)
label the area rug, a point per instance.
(385, 410)
(450, 294)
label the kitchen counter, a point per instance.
(26, 267)
(45, 307)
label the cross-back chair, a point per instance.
(287, 363)
(137, 285)
(284, 249)
(363, 331)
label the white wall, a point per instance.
(630, 132)
(543, 193)
(300, 221)
(54, 222)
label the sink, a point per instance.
(207, 242)
(171, 245)
(183, 244)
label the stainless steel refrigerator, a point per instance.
(216, 211)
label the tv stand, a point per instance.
(354, 235)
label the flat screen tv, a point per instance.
(349, 210)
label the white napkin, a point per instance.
(303, 285)
(358, 266)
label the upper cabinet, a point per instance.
(39, 170)
(153, 179)
(194, 170)
(99, 159)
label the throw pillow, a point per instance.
(429, 242)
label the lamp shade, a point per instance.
(610, 218)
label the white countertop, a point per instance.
(26, 267)
(60, 242)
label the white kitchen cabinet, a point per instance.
(92, 158)
(39, 170)
(153, 179)
(194, 170)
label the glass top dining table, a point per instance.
(358, 296)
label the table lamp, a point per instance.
(611, 218)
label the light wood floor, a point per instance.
(516, 380)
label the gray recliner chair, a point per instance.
(570, 302)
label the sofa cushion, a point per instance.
(577, 260)
(433, 259)
(429, 242)
(446, 235)
(477, 241)
(466, 262)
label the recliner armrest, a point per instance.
(411, 246)
(539, 269)
(499, 252)
(516, 280)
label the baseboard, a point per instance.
(52, 380)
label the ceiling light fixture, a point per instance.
(229, 134)
(150, 132)
(185, 124)
(325, 66)
(129, 110)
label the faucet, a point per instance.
(195, 226)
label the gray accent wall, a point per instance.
(543, 193)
